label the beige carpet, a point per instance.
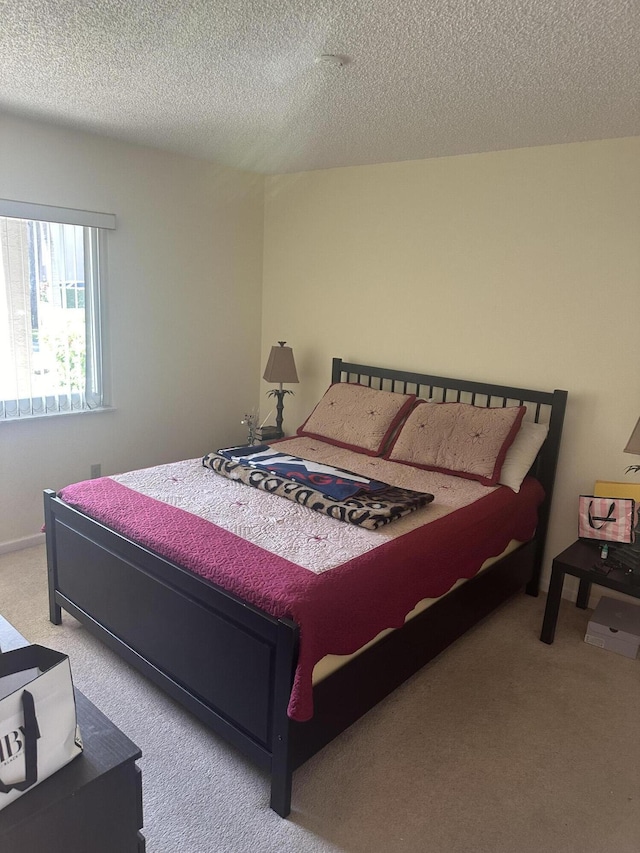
(501, 745)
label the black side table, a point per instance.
(92, 805)
(580, 560)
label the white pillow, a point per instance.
(522, 453)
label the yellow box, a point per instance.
(606, 489)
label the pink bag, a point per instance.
(608, 519)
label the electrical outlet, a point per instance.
(96, 471)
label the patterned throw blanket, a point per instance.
(336, 493)
(333, 482)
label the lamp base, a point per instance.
(279, 394)
(629, 555)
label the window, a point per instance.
(50, 332)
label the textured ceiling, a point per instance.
(235, 80)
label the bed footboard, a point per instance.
(227, 662)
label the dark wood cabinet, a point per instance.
(93, 805)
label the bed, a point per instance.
(240, 668)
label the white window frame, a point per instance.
(95, 227)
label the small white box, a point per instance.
(615, 625)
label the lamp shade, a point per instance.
(633, 445)
(281, 367)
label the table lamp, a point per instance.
(633, 446)
(280, 368)
(629, 554)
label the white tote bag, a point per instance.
(38, 724)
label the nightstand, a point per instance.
(580, 560)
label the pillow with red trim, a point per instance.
(357, 417)
(458, 438)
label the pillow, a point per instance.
(458, 438)
(357, 417)
(522, 454)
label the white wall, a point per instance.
(520, 267)
(182, 305)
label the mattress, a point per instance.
(330, 663)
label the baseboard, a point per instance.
(19, 544)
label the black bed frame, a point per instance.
(232, 664)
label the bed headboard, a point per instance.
(542, 407)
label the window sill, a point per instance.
(23, 418)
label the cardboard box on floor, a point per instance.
(615, 625)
